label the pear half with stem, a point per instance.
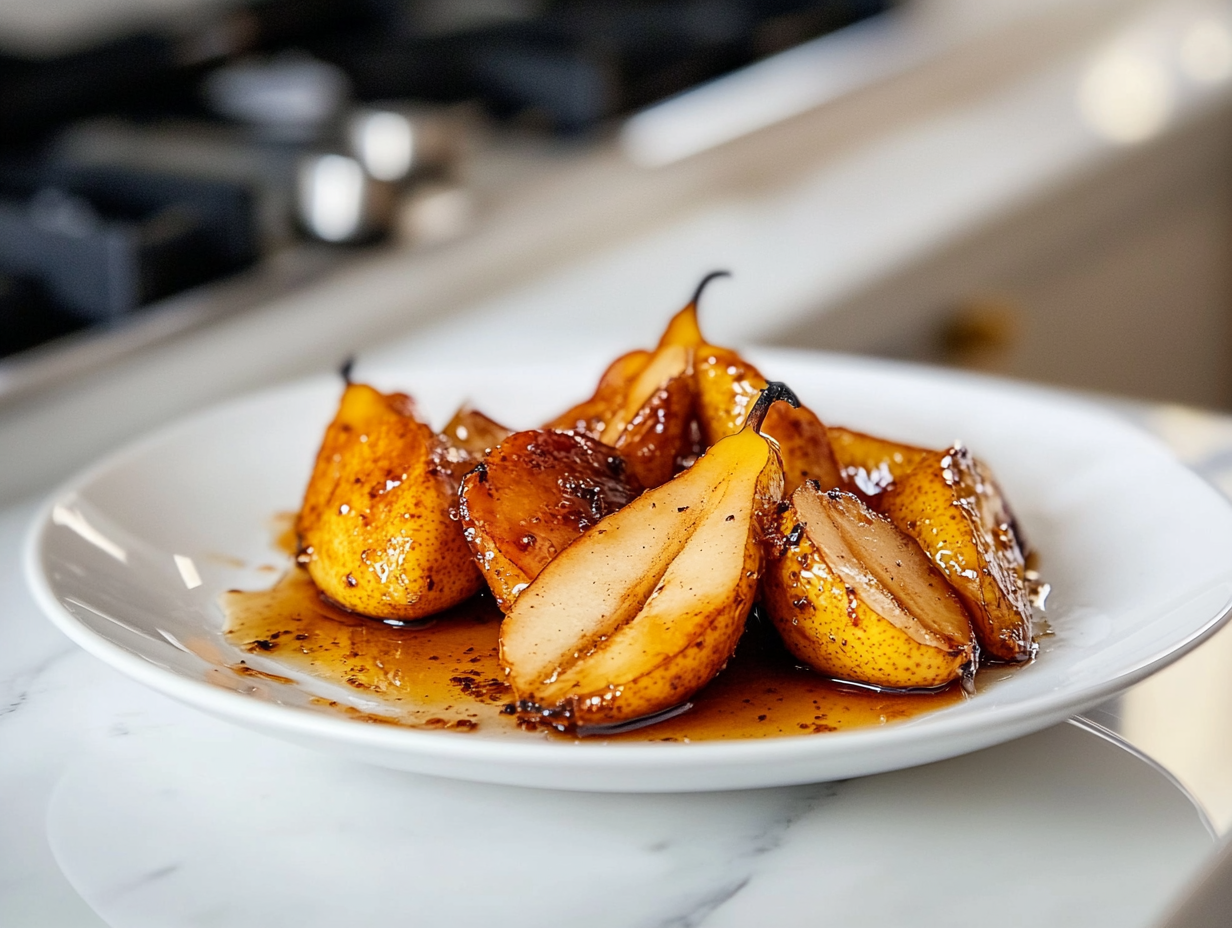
(950, 504)
(377, 530)
(855, 598)
(531, 496)
(647, 606)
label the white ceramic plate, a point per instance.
(1138, 550)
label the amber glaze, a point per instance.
(444, 672)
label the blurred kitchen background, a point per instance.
(199, 197)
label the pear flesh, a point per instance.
(531, 496)
(378, 532)
(856, 599)
(647, 606)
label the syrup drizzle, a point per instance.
(445, 673)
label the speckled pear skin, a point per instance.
(533, 494)
(378, 530)
(648, 605)
(869, 464)
(837, 630)
(951, 505)
(727, 386)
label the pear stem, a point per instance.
(347, 366)
(775, 391)
(713, 275)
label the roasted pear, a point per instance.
(950, 504)
(643, 408)
(856, 599)
(647, 606)
(532, 495)
(376, 531)
(871, 464)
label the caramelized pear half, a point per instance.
(531, 497)
(856, 599)
(644, 404)
(647, 606)
(376, 528)
(951, 505)
(643, 407)
(727, 386)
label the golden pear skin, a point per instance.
(647, 606)
(532, 495)
(870, 464)
(856, 599)
(377, 529)
(727, 386)
(951, 505)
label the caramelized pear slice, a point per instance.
(647, 606)
(856, 599)
(533, 494)
(643, 407)
(871, 464)
(376, 528)
(950, 504)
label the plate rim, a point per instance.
(994, 725)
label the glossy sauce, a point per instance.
(444, 673)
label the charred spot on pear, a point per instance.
(646, 607)
(856, 599)
(533, 495)
(376, 529)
